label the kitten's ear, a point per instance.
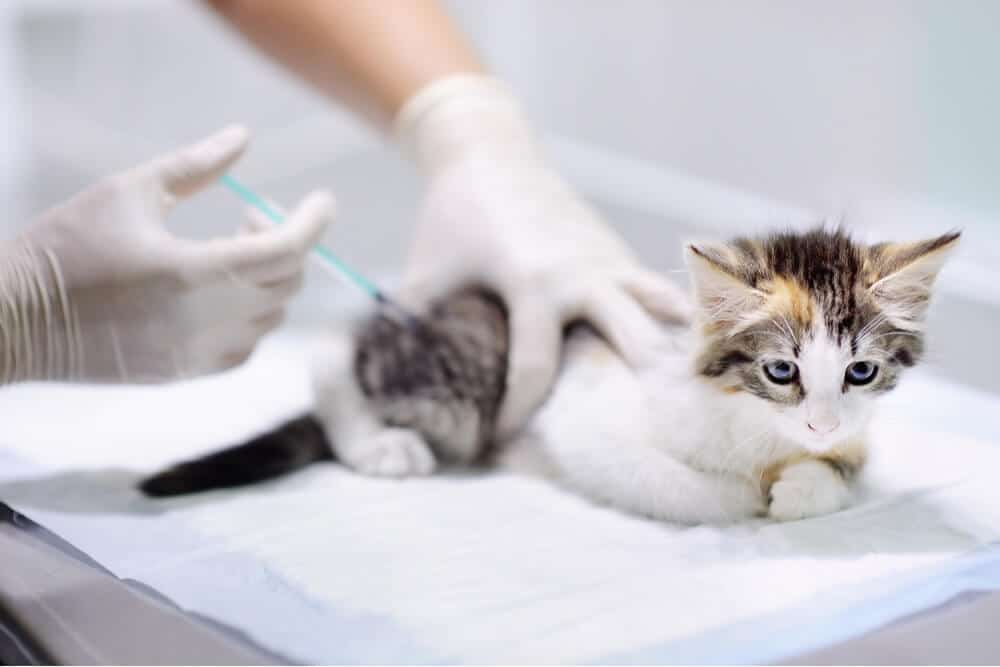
(723, 296)
(905, 273)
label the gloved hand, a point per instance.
(495, 215)
(97, 288)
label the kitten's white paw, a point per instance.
(393, 452)
(807, 489)
(742, 500)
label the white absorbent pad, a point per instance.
(329, 567)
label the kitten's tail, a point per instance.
(291, 446)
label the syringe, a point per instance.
(327, 260)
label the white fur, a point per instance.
(903, 294)
(835, 415)
(629, 441)
(664, 444)
(394, 452)
(808, 488)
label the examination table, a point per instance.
(329, 567)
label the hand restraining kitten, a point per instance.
(760, 408)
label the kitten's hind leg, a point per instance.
(390, 452)
(359, 438)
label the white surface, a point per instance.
(328, 567)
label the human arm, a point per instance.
(494, 212)
(373, 56)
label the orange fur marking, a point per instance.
(789, 298)
(851, 454)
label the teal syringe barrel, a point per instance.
(325, 254)
(251, 198)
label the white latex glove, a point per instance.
(98, 289)
(496, 215)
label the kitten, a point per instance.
(441, 375)
(759, 409)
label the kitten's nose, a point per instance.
(823, 426)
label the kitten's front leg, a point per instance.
(808, 488)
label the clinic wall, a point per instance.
(799, 100)
(824, 104)
(833, 105)
(883, 109)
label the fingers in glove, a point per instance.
(417, 294)
(190, 169)
(235, 356)
(247, 301)
(271, 253)
(256, 222)
(535, 341)
(660, 296)
(278, 270)
(624, 323)
(268, 322)
(260, 221)
(241, 343)
(276, 294)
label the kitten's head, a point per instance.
(814, 324)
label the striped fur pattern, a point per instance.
(442, 375)
(819, 304)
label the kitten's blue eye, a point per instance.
(861, 372)
(780, 372)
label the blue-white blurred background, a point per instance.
(677, 118)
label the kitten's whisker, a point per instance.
(790, 330)
(897, 333)
(870, 326)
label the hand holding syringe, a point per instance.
(326, 259)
